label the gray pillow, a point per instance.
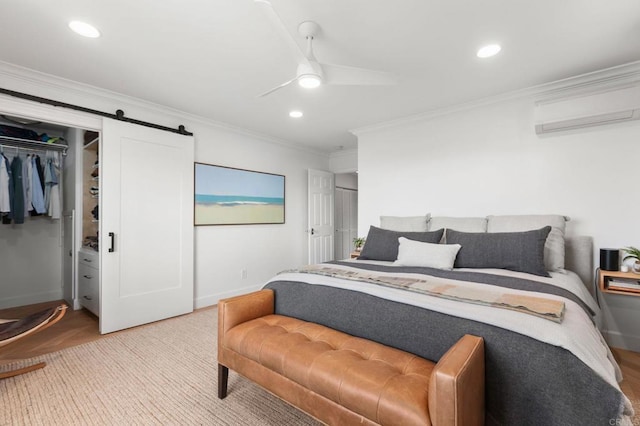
(382, 244)
(515, 251)
(554, 247)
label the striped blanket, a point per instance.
(542, 307)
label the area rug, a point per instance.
(159, 374)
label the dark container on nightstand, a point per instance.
(609, 259)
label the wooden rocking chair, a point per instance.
(12, 330)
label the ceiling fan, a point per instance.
(311, 73)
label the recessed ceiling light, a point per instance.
(488, 51)
(295, 114)
(84, 29)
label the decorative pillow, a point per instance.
(415, 253)
(462, 224)
(516, 251)
(554, 247)
(405, 223)
(382, 244)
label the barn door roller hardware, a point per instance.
(119, 115)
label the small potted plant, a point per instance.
(358, 243)
(633, 253)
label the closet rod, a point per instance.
(9, 142)
(119, 115)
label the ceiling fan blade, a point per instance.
(277, 87)
(344, 75)
(277, 23)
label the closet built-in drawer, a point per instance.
(89, 287)
(88, 258)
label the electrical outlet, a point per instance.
(243, 274)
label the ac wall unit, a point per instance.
(595, 109)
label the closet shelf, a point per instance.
(92, 142)
(7, 141)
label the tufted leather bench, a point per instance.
(342, 379)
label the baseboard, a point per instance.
(210, 300)
(30, 299)
(619, 340)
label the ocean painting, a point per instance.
(228, 196)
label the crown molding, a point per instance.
(593, 82)
(344, 153)
(11, 73)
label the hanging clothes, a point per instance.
(26, 185)
(30, 186)
(48, 182)
(5, 200)
(37, 195)
(18, 192)
(51, 180)
(30, 180)
(40, 169)
(6, 218)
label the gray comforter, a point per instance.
(528, 382)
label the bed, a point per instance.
(546, 361)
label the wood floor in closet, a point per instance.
(75, 328)
(78, 327)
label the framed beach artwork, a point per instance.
(228, 196)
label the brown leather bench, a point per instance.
(340, 379)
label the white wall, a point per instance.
(221, 252)
(488, 160)
(347, 180)
(344, 161)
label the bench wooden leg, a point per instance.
(223, 378)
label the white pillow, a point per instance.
(405, 223)
(416, 253)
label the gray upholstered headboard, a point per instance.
(579, 258)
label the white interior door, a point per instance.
(346, 221)
(321, 211)
(338, 237)
(146, 225)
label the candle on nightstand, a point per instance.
(624, 268)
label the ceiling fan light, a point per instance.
(309, 81)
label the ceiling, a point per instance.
(213, 57)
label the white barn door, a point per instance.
(321, 211)
(146, 225)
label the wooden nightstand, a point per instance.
(355, 254)
(619, 282)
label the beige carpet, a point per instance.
(160, 374)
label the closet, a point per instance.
(31, 263)
(88, 284)
(123, 247)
